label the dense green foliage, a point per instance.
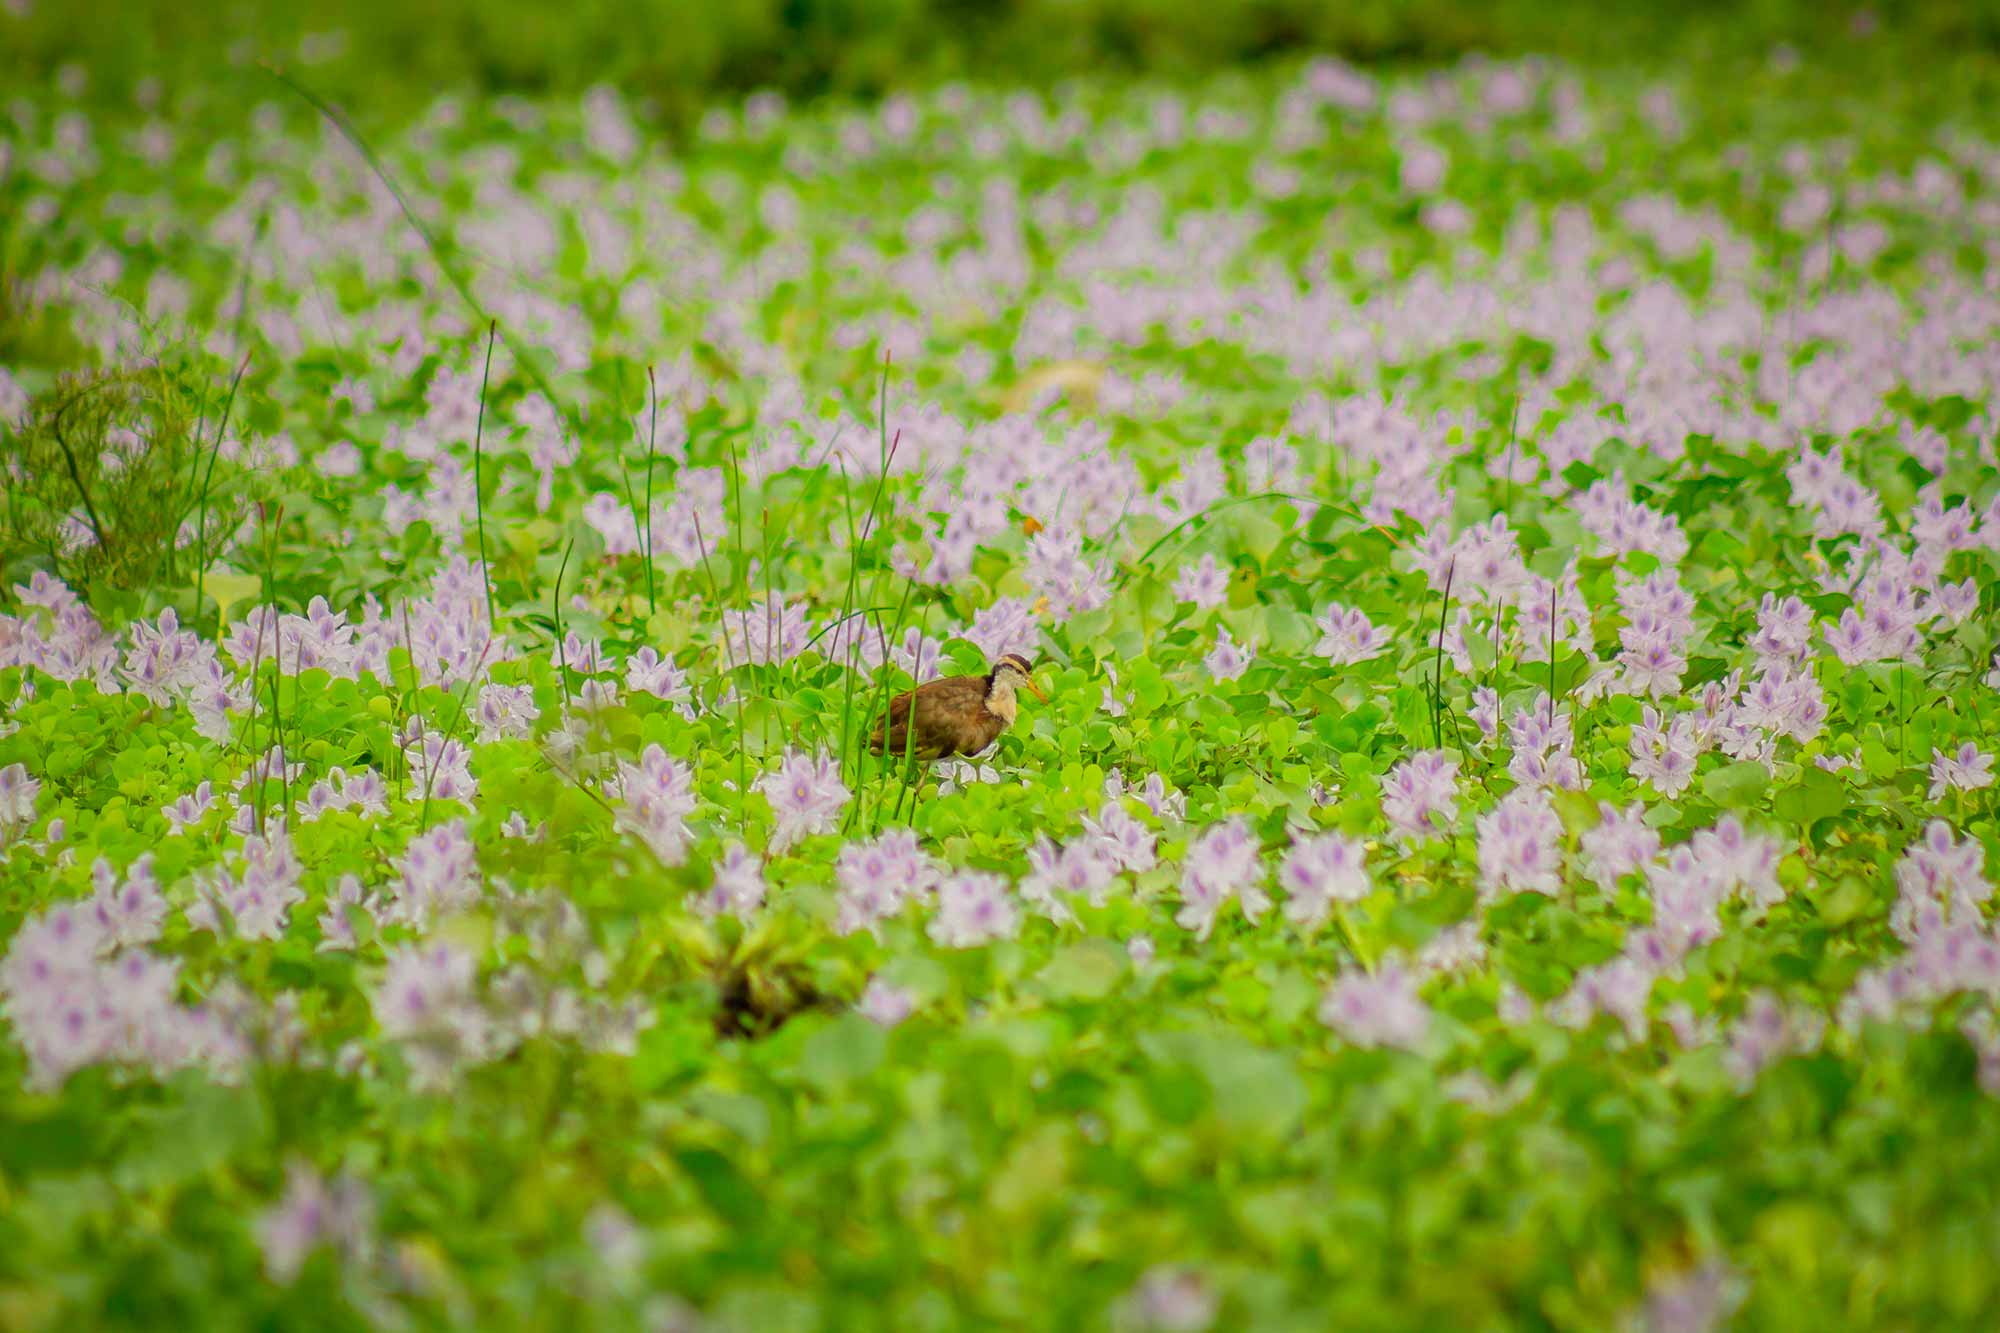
(384, 58)
(1160, 385)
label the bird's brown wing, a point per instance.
(947, 713)
(893, 722)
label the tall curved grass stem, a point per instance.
(201, 528)
(430, 239)
(479, 478)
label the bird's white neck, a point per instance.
(1000, 699)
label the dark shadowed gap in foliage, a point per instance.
(747, 1009)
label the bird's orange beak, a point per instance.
(1034, 689)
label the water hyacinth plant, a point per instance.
(1534, 526)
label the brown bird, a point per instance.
(956, 715)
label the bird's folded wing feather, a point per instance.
(946, 707)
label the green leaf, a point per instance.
(1258, 531)
(846, 1049)
(1413, 716)
(1736, 786)
(225, 587)
(1086, 970)
(1255, 1092)
(1033, 1173)
(1280, 733)
(1877, 759)
(207, 1125)
(1817, 795)
(1479, 647)
(723, 1185)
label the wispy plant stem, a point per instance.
(201, 523)
(652, 434)
(429, 238)
(1437, 670)
(743, 558)
(853, 639)
(75, 474)
(555, 615)
(479, 477)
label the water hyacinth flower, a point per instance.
(74, 998)
(130, 912)
(738, 887)
(364, 793)
(1664, 755)
(1078, 869)
(1122, 840)
(313, 1213)
(1784, 633)
(18, 789)
(1621, 843)
(167, 664)
(646, 672)
(1205, 584)
(1542, 740)
(440, 768)
(438, 875)
(259, 895)
(1485, 711)
(1454, 949)
(189, 808)
(1058, 571)
(1420, 795)
(1166, 801)
(1227, 661)
(1519, 847)
(1111, 703)
(1940, 878)
(1651, 662)
(916, 653)
(658, 797)
(336, 928)
(772, 631)
(955, 774)
(806, 796)
(1007, 625)
(1620, 989)
(1173, 1300)
(1382, 1009)
(1347, 636)
(1767, 1032)
(583, 655)
(505, 712)
(1699, 1301)
(885, 1003)
(426, 1001)
(1968, 769)
(1224, 862)
(1784, 703)
(974, 908)
(1951, 603)
(879, 877)
(615, 1239)
(1320, 871)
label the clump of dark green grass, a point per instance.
(107, 475)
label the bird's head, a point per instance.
(1012, 672)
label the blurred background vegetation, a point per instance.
(385, 58)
